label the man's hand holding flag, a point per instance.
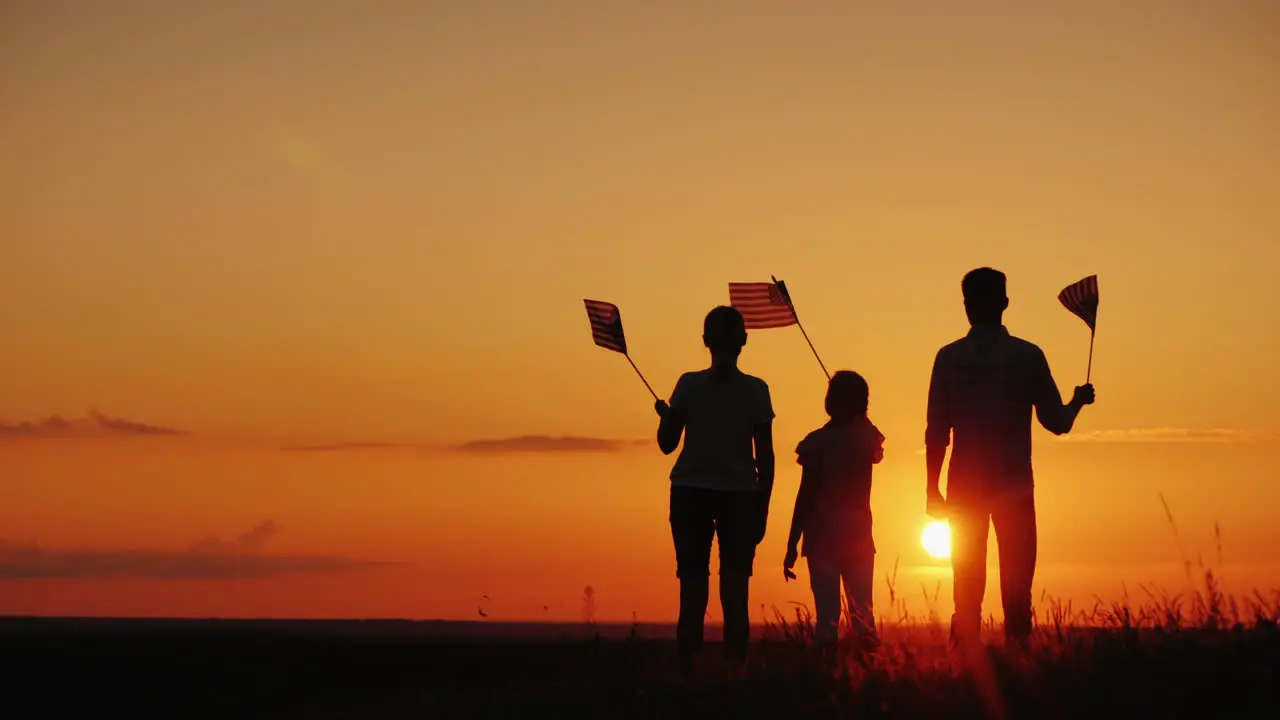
(1081, 298)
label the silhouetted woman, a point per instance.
(721, 482)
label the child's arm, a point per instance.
(804, 503)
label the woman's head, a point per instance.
(724, 332)
(847, 396)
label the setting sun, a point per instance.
(936, 539)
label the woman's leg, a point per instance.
(692, 529)
(736, 519)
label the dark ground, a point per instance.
(185, 670)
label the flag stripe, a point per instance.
(1081, 298)
(606, 325)
(762, 305)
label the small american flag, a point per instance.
(1081, 299)
(606, 325)
(763, 305)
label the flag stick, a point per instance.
(1089, 372)
(646, 382)
(802, 331)
(1093, 330)
(815, 352)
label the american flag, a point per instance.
(606, 325)
(1081, 298)
(763, 305)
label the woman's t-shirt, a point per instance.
(721, 412)
(837, 460)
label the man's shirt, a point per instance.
(983, 389)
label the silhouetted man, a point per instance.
(982, 391)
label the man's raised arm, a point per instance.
(1053, 415)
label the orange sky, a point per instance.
(293, 223)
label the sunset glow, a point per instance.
(321, 267)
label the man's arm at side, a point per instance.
(935, 456)
(937, 434)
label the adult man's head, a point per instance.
(984, 296)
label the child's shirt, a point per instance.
(721, 412)
(833, 507)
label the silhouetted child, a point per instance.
(833, 511)
(721, 482)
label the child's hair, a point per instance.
(724, 330)
(847, 396)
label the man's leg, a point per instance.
(824, 580)
(736, 527)
(969, 528)
(692, 529)
(1014, 519)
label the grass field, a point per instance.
(1198, 655)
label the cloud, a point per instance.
(96, 424)
(120, 425)
(336, 447)
(489, 446)
(1164, 435)
(1169, 435)
(250, 542)
(547, 444)
(208, 559)
(49, 426)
